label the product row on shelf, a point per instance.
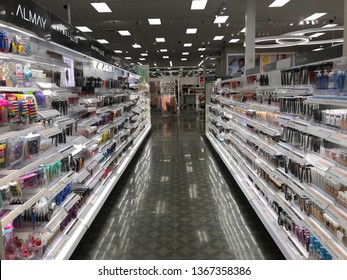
(57, 169)
(289, 156)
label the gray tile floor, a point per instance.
(177, 201)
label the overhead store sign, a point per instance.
(28, 15)
(32, 17)
(67, 35)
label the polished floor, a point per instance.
(177, 201)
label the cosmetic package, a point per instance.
(15, 147)
(32, 145)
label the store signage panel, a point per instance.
(28, 15)
(67, 35)
(311, 57)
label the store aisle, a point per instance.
(177, 201)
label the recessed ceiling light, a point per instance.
(218, 38)
(144, 54)
(291, 24)
(185, 53)
(243, 30)
(316, 35)
(329, 25)
(191, 30)
(84, 29)
(165, 56)
(183, 59)
(202, 55)
(234, 40)
(160, 40)
(279, 3)
(212, 58)
(128, 57)
(124, 32)
(315, 16)
(136, 46)
(155, 64)
(221, 19)
(187, 45)
(118, 51)
(198, 4)
(154, 21)
(103, 41)
(163, 50)
(201, 49)
(141, 58)
(317, 50)
(101, 7)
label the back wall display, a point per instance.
(236, 61)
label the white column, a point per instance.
(250, 34)
(345, 31)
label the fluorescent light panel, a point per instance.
(201, 49)
(278, 3)
(84, 29)
(141, 58)
(218, 38)
(144, 54)
(124, 32)
(183, 59)
(154, 21)
(163, 50)
(101, 7)
(103, 41)
(243, 30)
(191, 30)
(187, 45)
(329, 25)
(221, 19)
(128, 57)
(136, 46)
(234, 40)
(118, 51)
(198, 4)
(317, 50)
(315, 16)
(165, 56)
(160, 40)
(316, 35)
(185, 53)
(171, 63)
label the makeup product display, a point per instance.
(292, 154)
(59, 162)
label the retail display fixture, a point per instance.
(285, 144)
(62, 150)
(169, 103)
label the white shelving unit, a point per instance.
(127, 141)
(241, 142)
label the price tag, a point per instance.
(297, 126)
(338, 215)
(319, 162)
(318, 131)
(316, 230)
(317, 198)
(338, 138)
(337, 174)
